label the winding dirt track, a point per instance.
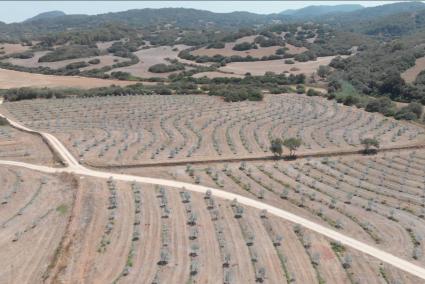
(72, 166)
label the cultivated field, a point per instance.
(98, 231)
(378, 200)
(150, 129)
(410, 74)
(276, 66)
(34, 212)
(15, 79)
(20, 146)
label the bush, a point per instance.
(69, 52)
(235, 94)
(121, 75)
(313, 93)
(406, 115)
(382, 105)
(305, 56)
(77, 65)
(23, 55)
(218, 44)
(164, 68)
(300, 89)
(289, 61)
(244, 46)
(281, 51)
(94, 61)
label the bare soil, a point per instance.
(15, 79)
(410, 74)
(277, 66)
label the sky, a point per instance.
(17, 11)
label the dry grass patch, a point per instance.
(410, 74)
(277, 66)
(105, 60)
(149, 57)
(10, 48)
(15, 79)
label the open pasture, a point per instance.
(152, 56)
(10, 48)
(259, 52)
(115, 232)
(34, 212)
(131, 130)
(276, 66)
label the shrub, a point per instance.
(217, 44)
(94, 61)
(382, 105)
(121, 75)
(300, 89)
(289, 61)
(69, 52)
(236, 93)
(76, 65)
(164, 68)
(244, 46)
(23, 55)
(313, 93)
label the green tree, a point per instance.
(292, 144)
(276, 146)
(323, 71)
(370, 145)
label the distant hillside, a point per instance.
(367, 16)
(395, 25)
(386, 19)
(45, 15)
(313, 11)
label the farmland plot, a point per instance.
(34, 213)
(21, 146)
(150, 129)
(107, 231)
(379, 200)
